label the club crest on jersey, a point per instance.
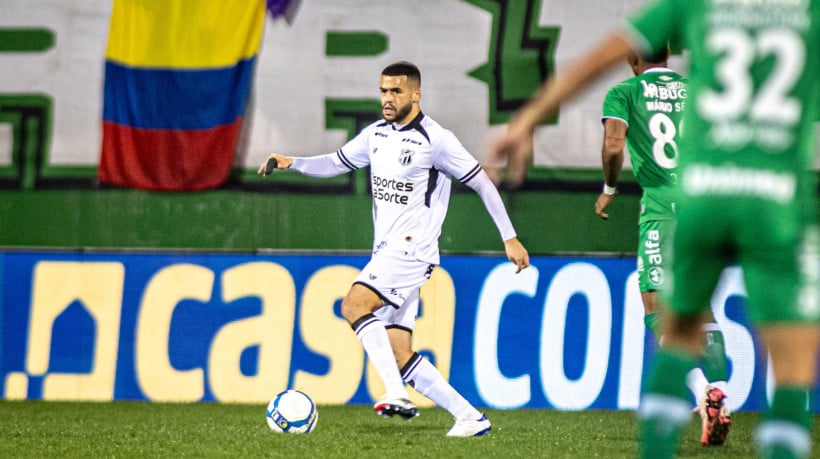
(656, 275)
(406, 157)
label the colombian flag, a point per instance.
(177, 78)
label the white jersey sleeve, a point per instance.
(322, 166)
(485, 188)
(453, 159)
(353, 155)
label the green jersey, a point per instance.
(651, 105)
(746, 190)
(752, 80)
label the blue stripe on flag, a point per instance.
(176, 99)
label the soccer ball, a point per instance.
(292, 411)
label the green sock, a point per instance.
(713, 361)
(791, 403)
(654, 322)
(786, 428)
(665, 406)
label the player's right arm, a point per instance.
(612, 160)
(353, 155)
(282, 162)
(322, 166)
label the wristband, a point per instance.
(610, 190)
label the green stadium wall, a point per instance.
(236, 220)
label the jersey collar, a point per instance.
(658, 70)
(413, 124)
(407, 127)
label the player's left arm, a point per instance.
(452, 158)
(514, 249)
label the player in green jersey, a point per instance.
(746, 194)
(645, 113)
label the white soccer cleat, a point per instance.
(389, 407)
(470, 428)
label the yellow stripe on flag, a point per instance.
(185, 33)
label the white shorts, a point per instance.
(396, 279)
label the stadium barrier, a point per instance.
(566, 333)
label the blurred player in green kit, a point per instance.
(645, 113)
(746, 194)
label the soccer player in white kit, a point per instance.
(412, 160)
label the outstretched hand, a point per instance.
(282, 162)
(517, 254)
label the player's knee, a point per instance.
(650, 302)
(352, 311)
(685, 326)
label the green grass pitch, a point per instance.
(141, 429)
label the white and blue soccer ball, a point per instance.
(292, 411)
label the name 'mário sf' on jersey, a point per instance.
(411, 167)
(749, 125)
(651, 105)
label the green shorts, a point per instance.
(772, 242)
(655, 254)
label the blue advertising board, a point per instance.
(567, 333)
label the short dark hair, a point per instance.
(657, 57)
(405, 68)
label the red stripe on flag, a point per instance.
(168, 159)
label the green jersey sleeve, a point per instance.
(616, 104)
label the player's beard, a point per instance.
(399, 114)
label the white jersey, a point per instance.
(410, 171)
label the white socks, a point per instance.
(697, 383)
(418, 372)
(426, 379)
(376, 344)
